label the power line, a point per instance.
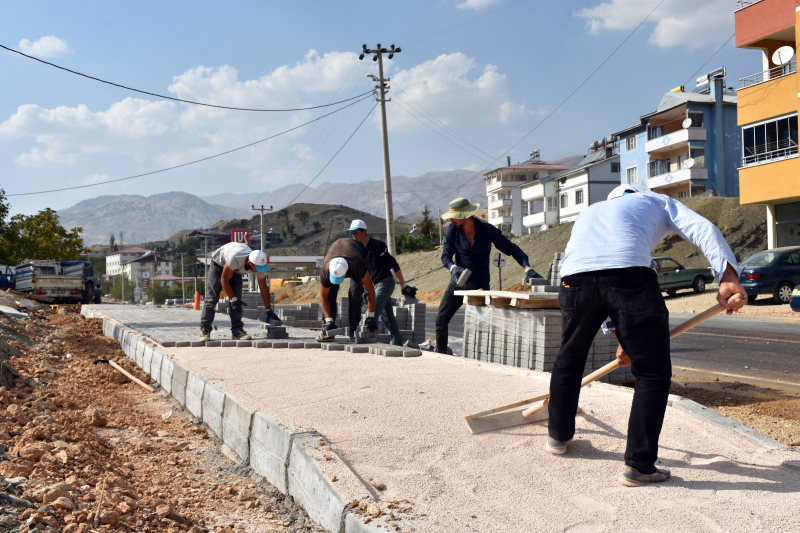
(334, 155)
(177, 99)
(445, 20)
(709, 59)
(191, 162)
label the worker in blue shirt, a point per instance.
(606, 273)
(468, 245)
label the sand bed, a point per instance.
(400, 422)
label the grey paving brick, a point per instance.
(244, 344)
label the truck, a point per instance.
(673, 276)
(63, 281)
(6, 277)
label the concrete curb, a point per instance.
(236, 422)
(194, 394)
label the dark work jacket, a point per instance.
(380, 262)
(476, 257)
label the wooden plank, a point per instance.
(497, 301)
(536, 304)
(476, 300)
(509, 294)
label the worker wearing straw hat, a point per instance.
(468, 245)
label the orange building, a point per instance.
(768, 105)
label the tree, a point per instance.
(116, 287)
(411, 243)
(112, 245)
(157, 292)
(39, 236)
(290, 229)
(317, 225)
(302, 216)
(4, 207)
(427, 228)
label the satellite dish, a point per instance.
(544, 227)
(689, 163)
(709, 192)
(686, 123)
(783, 55)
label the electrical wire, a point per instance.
(709, 59)
(334, 155)
(445, 20)
(190, 162)
(178, 99)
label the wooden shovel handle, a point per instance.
(132, 377)
(613, 365)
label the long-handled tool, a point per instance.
(130, 376)
(501, 417)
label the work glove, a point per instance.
(238, 305)
(532, 274)
(455, 273)
(330, 325)
(408, 290)
(272, 316)
(370, 322)
(364, 297)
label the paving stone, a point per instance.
(332, 346)
(229, 344)
(412, 353)
(262, 344)
(198, 344)
(244, 344)
(182, 344)
(168, 344)
(213, 344)
(296, 345)
(280, 344)
(356, 348)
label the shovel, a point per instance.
(501, 417)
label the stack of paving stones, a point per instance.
(301, 316)
(554, 272)
(529, 338)
(254, 306)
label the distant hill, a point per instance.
(144, 218)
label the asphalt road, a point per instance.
(760, 351)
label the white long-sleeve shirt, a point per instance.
(622, 233)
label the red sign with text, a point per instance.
(241, 236)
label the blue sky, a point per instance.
(490, 80)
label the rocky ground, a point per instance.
(84, 449)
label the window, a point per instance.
(551, 204)
(683, 194)
(579, 196)
(681, 161)
(774, 139)
(563, 201)
(630, 143)
(792, 259)
(699, 156)
(668, 265)
(632, 175)
(653, 132)
(615, 168)
(697, 118)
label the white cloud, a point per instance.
(687, 23)
(474, 4)
(48, 158)
(474, 167)
(95, 178)
(450, 88)
(47, 46)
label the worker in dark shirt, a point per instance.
(380, 264)
(470, 241)
(346, 259)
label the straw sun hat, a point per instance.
(460, 208)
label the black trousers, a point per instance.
(448, 307)
(213, 288)
(632, 298)
(354, 308)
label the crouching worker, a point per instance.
(228, 264)
(346, 259)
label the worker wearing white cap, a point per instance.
(606, 273)
(346, 259)
(229, 263)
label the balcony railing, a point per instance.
(770, 74)
(769, 152)
(740, 4)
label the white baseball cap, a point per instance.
(259, 260)
(621, 190)
(357, 224)
(337, 269)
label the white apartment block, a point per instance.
(115, 261)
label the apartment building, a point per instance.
(769, 101)
(505, 205)
(115, 261)
(561, 196)
(690, 145)
(146, 268)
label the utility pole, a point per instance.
(439, 216)
(183, 285)
(261, 210)
(205, 274)
(382, 88)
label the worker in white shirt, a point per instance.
(606, 273)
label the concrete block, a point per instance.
(412, 353)
(244, 344)
(197, 344)
(310, 488)
(147, 358)
(313, 345)
(214, 344)
(229, 344)
(167, 368)
(262, 344)
(236, 420)
(280, 344)
(180, 377)
(168, 344)
(213, 407)
(194, 394)
(140, 347)
(296, 344)
(356, 348)
(155, 366)
(331, 347)
(269, 450)
(354, 524)
(183, 344)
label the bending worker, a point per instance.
(228, 263)
(606, 272)
(380, 264)
(470, 241)
(346, 259)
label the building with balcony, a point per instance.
(505, 205)
(115, 261)
(688, 146)
(769, 101)
(143, 270)
(561, 196)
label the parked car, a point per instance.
(774, 272)
(672, 276)
(794, 299)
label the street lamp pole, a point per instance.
(261, 210)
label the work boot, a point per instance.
(633, 478)
(240, 335)
(205, 334)
(557, 447)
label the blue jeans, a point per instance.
(632, 298)
(383, 308)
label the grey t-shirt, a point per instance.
(234, 254)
